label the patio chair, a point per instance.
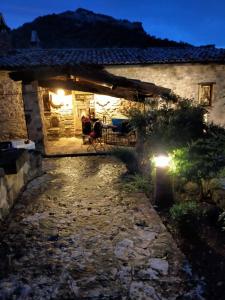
(127, 132)
(86, 129)
(122, 134)
(96, 141)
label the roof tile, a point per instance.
(22, 58)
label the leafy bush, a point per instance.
(138, 183)
(201, 160)
(211, 214)
(186, 216)
(221, 220)
(175, 127)
(168, 123)
(128, 157)
(179, 210)
(138, 117)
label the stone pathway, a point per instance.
(76, 234)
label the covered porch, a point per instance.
(57, 99)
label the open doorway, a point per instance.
(62, 113)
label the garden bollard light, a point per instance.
(163, 192)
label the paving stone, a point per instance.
(160, 265)
(75, 233)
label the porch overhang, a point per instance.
(90, 78)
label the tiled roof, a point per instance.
(109, 56)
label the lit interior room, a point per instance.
(64, 110)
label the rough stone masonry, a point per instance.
(75, 233)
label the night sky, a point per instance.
(195, 21)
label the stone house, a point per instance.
(45, 92)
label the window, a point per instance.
(205, 94)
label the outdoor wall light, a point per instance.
(162, 161)
(60, 93)
(57, 99)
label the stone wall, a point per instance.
(12, 120)
(12, 184)
(107, 108)
(34, 114)
(59, 121)
(184, 80)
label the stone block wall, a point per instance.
(12, 184)
(64, 116)
(12, 118)
(33, 114)
(66, 125)
(184, 80)
(107, 108)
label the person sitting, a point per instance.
(86, 127)
(95, 137)
(97, 130)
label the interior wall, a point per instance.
(107, 108)
(58, 114)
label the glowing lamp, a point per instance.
(57, 99)
(162, 161)
(61, 93)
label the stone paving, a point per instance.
(75, 233)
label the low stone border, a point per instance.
(11, 185)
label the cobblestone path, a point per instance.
(76, 234)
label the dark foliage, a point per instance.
(86, 29)
(172, 128)
(186, 217)
(170, 125)
(202, 160)
(128, 157)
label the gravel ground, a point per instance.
(75, 233)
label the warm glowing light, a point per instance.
(61, 93)
(162, 161)
(206, 117)
(61, 101)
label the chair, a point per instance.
(95, 138)
(86, 129)
(127, 133)
(121, 134)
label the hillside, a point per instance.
(86, 29)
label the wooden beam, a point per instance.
(118, 92)
(46, 72)
(93, 79)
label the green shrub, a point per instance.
(201, 160)
(170, 127)
(186, 217)
(128, 157)
(221, 220)
(138, 183)
(180, 209)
